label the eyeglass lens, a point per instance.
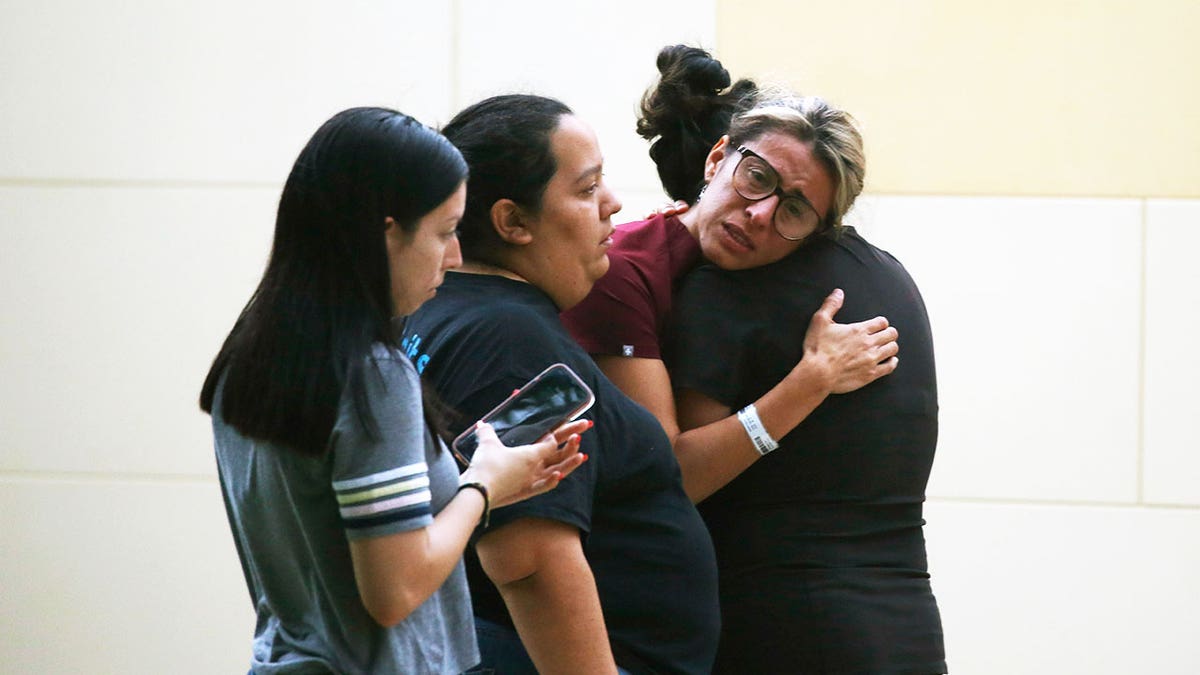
(755, 179)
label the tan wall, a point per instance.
(1023, 97)
(142, 149)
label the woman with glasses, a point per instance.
(814, 503)
(623, 322)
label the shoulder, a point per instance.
(652, 238)
(639, 230)
(709, 278)
(391, 359)
(507, 322)
(476, 317)
(388, 366)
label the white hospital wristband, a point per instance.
(762, 441)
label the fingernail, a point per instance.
(584, 455)
(590, 424)
(514, 392)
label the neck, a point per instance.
(691, 220)
(563, 296)
(476, 267)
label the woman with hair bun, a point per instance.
(623, 322)
(814, 502)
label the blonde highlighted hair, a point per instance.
(832, 133)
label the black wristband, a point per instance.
(487, 502)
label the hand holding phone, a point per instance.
(555, 396)
(513, 473)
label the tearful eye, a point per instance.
(796, 209)
(759, 178)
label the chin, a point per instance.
(602, 266)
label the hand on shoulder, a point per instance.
(857, 354)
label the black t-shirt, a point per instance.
(819, 544)
(484, 336)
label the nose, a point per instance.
(452, 259)
(610, 204)
(761, 212)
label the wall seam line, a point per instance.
(136, 184)
(109, 477)
(1141, 414)
(455, 58)
(1068, 504)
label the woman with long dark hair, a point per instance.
(349, 515)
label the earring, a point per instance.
(702, 189)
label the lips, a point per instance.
(608, 237)
(738, 236)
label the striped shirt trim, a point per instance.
(378, 521)
(373, 508)
(359, 496)
(381, 477)
(385, 497)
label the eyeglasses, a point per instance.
(755, 179)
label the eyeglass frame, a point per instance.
(747, 152)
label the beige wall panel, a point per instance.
(1172, 373)
(1066, 590)
(598, 57)
(221, 91)
(1024, 97)
(115, 302)
(120, 577)
(1034, 304)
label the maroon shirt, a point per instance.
(628, 308)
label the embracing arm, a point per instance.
(646, 381)
(713, 447)
(539, 567)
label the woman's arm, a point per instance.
(397, 572)
(539, 567)
(713, 447)
(646, 381)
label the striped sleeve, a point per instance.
(383, 499)
(380, 478)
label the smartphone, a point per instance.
(552, 398)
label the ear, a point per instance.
(509, 221)
(393, 234)
(718, 153)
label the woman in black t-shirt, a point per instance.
(615, 569)
(819, 539)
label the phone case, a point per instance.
(552, 398)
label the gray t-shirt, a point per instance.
(291, 518)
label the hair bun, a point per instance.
(692, 69)
(685, 113)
